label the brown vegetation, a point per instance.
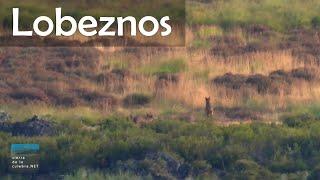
(273, 83)
(234, 70)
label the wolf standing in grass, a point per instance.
(209, 111)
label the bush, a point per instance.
(83, 174)
(315, 174)
(137, 100)
(200, 167)
(298, 120)
(316, 22)
(288, 166)
(31, 94)
(247, 169)
(249, 151)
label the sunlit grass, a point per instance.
(279, 14)
(168, 66)
(23, 112)
(83, 174)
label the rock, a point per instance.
(4, 122)
(35, 126)
(5, 127)
(4, 117)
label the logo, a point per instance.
(24, 158)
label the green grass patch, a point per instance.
(201, 44)
(169, 66)
(84, 174)
(231, 149)
(209, 31)
(281, 15)
(117, 64)
(78, 114)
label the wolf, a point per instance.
(209, 110)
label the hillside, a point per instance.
(139, 112)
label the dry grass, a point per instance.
(66, 76)
(252, 63)
(195, 84)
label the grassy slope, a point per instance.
(240, 151)
(280, 15)
(254, 150)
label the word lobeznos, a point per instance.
(88, 25)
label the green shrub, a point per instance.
(298, 120)
(315, 174)
(316, 22)
(256, 151)
(84, 174)
(200, 167)
(117, 124)
(166, 127)
(248, 169)
(288, 166)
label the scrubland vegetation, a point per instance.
(170, 149)
(132, 113)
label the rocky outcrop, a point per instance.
(5, 126)
(36, 126)
(4, 117)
